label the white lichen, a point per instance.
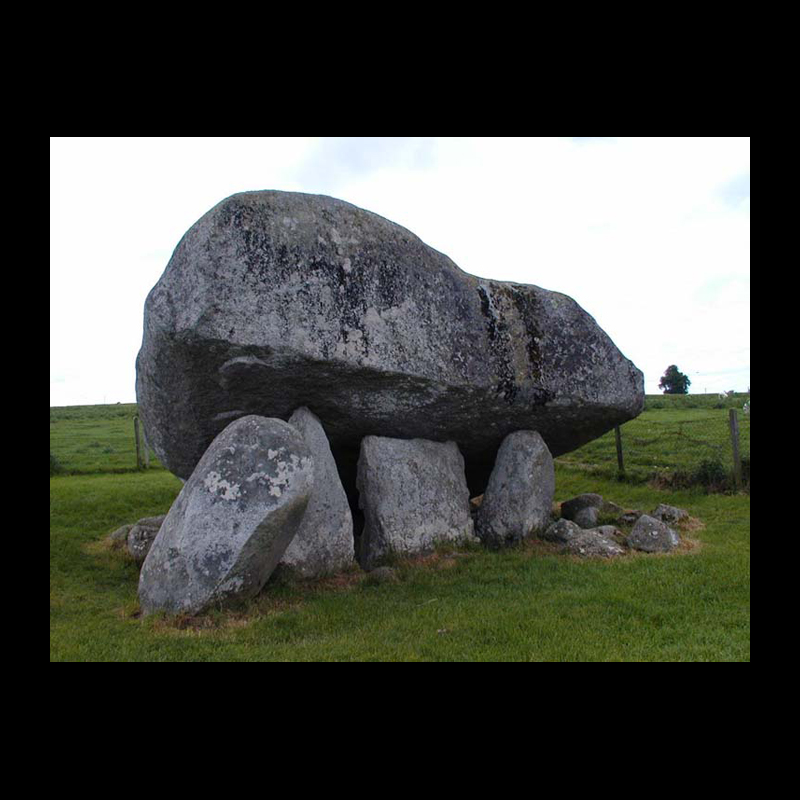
(215, 484)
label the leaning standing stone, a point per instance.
(652, 536)
(232, 521)
(414, 495)
(324, 543)
(519, 497)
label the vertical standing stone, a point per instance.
(324, 542)
(518, 500)
(414, 495)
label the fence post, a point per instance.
(138, 447)
(146, 446)
(737, 461)
(620, 462)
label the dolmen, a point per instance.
(332, 389)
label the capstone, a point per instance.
(276, 300)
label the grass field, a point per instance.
(525, 604)
(683, 437)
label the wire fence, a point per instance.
(674, 444)
(679, 447)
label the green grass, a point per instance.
(674, 435)
(526, 604)
(92, 439)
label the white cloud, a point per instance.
(651, 236)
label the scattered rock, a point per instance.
(276, 300)
(561, 531)
(232, 521)
(324, 543)
(583, 509)
(630, 517)
(142, 535)
(610, 509)
(119, 537)
(669, 514)
(595, 542)
(652, 536)
(413, 494)
(519, 496)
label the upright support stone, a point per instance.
(519, 498)
(414, 496)
(324, 543)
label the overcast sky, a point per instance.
(650, 235)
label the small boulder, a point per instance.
(141, 536)
(119, 537)
(630, 517)
(669, 514)
(518, 499)
(232, 521)
(595, 543)
(652, 536)
(324, 543)
(602, 542)
(561, 531)
(584, 509)
(414, 495)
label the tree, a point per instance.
(673, 381)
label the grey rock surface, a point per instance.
(583, 509)
(232, 521)
(141, 536)
(276, 300)
(119, 537)
(561, 531)
(595, 543)
(519, 497)
(324, 543)
(669, 514)
(652, 536)
(602, 542)
(414, 496)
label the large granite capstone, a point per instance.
(275, 300)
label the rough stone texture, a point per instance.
(652, 536)
(414, 496)
(583, 509)
(519, 497)
(602, 542)
(324, 543)
(233, 520)
(276, 300)
(630, 517)
(142, 535)
(560, 531)
(119, 537)
(595, 543)
(669, 514)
